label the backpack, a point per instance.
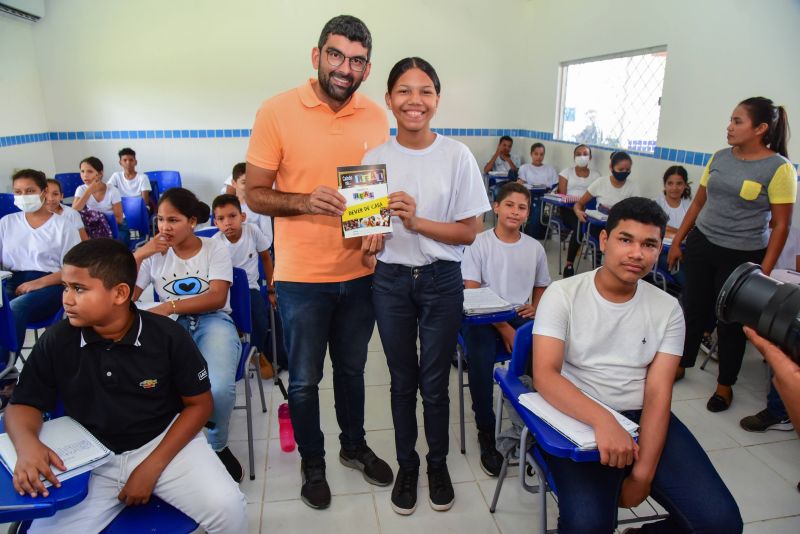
(96, 223)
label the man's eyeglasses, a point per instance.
(336, 58)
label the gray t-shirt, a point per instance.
(737, 211)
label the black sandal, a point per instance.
(718, 403)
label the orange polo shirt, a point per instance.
(304, 140)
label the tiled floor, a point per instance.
(762, 470)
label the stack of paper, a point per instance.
(558, 197)
(576, 431)
(78, 449)
(483, 301)
(598, 215)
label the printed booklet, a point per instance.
(366, 192)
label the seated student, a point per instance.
(245, 243)
(129, 182)
(96, 195)
(227, 186)
(608, 191)
(502, 160)
(191, 276)
(537, 173)
(32, 245)
(514, 266)
(574, 181)
(675, 202)
(53, 199)
(264, 222)
(95, 364)
(607, 334)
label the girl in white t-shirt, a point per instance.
(677, 197)
(96, 195)
(192, 276)
(53, 199)
(537, 173)
(574, 181)
(33, 243)
(436, 193)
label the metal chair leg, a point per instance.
(460, 358)
(248, 407)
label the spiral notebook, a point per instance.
(77, 447)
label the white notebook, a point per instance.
(483, 300)
(77, 447)
(576, 431)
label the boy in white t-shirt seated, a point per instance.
(246, 243)
(620, 340)
(129, 182)
(514, 266)
(53, 198)
(264, 222)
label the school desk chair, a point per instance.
(7, 204)
(462, 357)
(112, 224)
(70, 181)
(538, 436)
(138, 220)
(242, 318)
(160, 181)
(274, 327)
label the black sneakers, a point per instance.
(568, 271)
(231, 464)
(315, 491)
(491, 460)
(765, 420)
(404, 493)
(440, 489)
(374, 470)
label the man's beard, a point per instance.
(340, 94)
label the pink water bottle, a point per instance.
(286, 430)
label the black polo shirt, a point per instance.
(125, 393)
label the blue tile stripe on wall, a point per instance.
(675, 155)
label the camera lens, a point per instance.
(770, 307)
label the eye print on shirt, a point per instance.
(189, 285)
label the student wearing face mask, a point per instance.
(574, 181)
(32, 245)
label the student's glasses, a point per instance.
(336, 58)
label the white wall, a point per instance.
(21, 106)
(188, 64)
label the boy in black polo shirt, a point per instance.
(139, 384)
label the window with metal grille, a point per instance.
(613, 100)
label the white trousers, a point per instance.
(195, 482)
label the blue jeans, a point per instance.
(34, 306)
(316, 316)
(774, 402)
(216, 336)
(685, 484)
(425, 301)
(260, 315)
(482, 343)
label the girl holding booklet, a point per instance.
(435, 194)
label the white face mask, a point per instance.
(582, 161)
(28, 203)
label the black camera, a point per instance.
(770, 307)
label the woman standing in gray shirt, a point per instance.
(742, 187)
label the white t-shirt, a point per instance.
(244, 253)
(675, 215)
(264, 222)
(24, 248)
(111, 197)
(577, 185)
(512, 270)
(72, 216)
(788, 257)
(447, 185)
(501, 165)
(607, 195)
(543, 175)
(130, 188)
(175, 278)
(608, 346)
(227, 183)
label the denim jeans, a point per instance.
(216, 336)
(482, 343)
(316, 316)
(774, 402)
(425, 301)
(260, 315)
(685, 484)
(34, 306)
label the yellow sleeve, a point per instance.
(704, 177)
(782, 187)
